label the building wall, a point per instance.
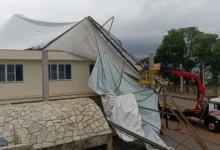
(31, 85)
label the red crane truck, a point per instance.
(210, 113)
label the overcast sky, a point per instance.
(140, 24)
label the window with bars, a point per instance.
(11, 72)
(59, 71)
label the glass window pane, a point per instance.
(61, 72)
(19, 72)
(68, 71)
(2, 73)
(10, 73)
(54, 72)
(49, 72)
(217, 106)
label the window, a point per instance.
(11, 72)
(91, 66)
(217, 106)
(54, 72)
(2, 73)
(59, 71)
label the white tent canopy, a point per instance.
(21, 33)
(81, 39)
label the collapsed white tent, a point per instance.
(121, 99)
(81, 39)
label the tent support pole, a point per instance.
(113, 45)
(184, 120)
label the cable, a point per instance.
(100, 59)
(120, 77)
(158, 111)
(145, 97)
(112, 18)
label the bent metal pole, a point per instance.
(187, 123)
(134, 135)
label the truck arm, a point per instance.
(200, 87)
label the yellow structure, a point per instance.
(147, 76)
(21, 74)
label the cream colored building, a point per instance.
(21, 74)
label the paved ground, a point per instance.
(173, 139)
(211, 139)
(201, 130)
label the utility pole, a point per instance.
(151, 60)
(45, 77)
(151, 63)
(203, 74)
(181, 80)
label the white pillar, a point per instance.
(45, 77)
(181, 79)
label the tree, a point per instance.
(146, 59)
(191, 48)
(203, 47)
(205, 51)
(176, 47)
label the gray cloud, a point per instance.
(141, 24)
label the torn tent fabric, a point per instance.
(107, 79)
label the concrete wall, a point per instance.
(32, 74)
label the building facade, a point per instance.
(21, 74)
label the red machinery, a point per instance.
(201, 90)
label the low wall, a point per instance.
(55, 124)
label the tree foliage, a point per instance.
(204, 47)
(191, 48)
(176, 46)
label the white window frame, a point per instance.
(6, 73)
(58, 73)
